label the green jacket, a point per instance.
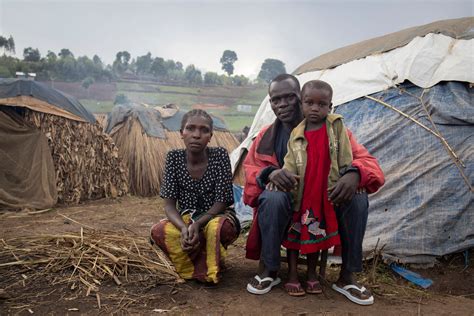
(340, 153)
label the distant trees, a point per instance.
(228, 59)
(8, 44)
(147, 67)
(65, 66)
(193, 75)
(121, 99)
(86, 83)
(212, 78)
(240, 80)
(270, 69)
(121, 62)
(30, 54)
(143, 64)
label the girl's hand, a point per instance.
(193, 231)
(185, 239)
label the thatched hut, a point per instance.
(144, 135)
(51, 149)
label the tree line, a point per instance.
(64, 66)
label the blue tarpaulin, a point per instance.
(151, 120)
(425, 208)
(11, 88)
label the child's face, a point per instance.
(196, 133)
(316, 105)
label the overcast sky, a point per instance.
(197, 32)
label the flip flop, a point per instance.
(345, 291)
(313, 287)
(294, 286)
(273, 282)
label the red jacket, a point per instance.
(262, 154)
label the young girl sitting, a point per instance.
(197, 189)
(318, 151)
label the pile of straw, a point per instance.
(101, 120)
(86, 160)
(145, 156)
(86, 259)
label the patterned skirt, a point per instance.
(205, 263)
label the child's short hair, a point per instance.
(317, 84)
(194, 113)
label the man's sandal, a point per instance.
(271, 283)
(313, 287)
(345, 290)
(294, 289)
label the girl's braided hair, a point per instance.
(194, 113)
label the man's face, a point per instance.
(285, 100)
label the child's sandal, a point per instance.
(313, 287)
(294, 289)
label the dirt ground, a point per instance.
(452, 292)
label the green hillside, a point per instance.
(186, 97)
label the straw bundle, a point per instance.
(145, 156)
(101, 120)
(86, 259)
(86, 160)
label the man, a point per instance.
(273, 211)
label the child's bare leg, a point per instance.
(292, 256)
(312, 260)
(293, 285)
(312, 283)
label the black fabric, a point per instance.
(281, 144)
(262, 178)
(11, 88)
(266, 146)
(214, 186)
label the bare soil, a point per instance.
(451, 294)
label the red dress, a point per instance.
(314, 227)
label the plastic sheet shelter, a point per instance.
(41, 98)
(153, 119)
(407, 97)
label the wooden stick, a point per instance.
(445, 143)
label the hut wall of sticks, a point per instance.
(85, 160)
(144, 135)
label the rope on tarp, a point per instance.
(457, 161)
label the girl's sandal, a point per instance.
(294, 289)
(313, 287)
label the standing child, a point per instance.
(319, 151)
(197, 189)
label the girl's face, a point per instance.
(316, 105)
(196, 133)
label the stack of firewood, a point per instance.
(86, 159)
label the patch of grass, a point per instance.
(97, 106)
(236, 123)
